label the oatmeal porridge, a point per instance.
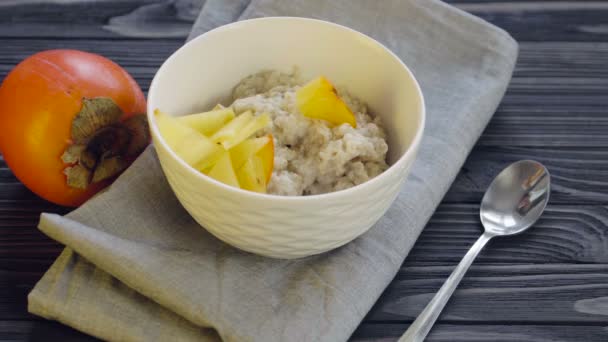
(312, 156)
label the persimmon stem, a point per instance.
(101, 143)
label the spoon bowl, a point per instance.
(516, 198)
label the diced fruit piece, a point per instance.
(223, 171)
(228, 155)
(266, 154)
(258, 123)
(318, 99)
(252, 176)
(246, 149)
(209, 122)
(194, 148)
(239, 129)
(232, 128)
(262, 148)
(205, 164)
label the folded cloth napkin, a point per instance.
(138, 268)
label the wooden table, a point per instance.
(549, 284)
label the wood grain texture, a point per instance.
(107, 19)
(541, 118)
(39, 331)
(127, 53)
(14, 287)
(561, 60)
(579, 175)
(35, 331)
(545, 20)
(368, 332)
(502, 294)
(564, 234)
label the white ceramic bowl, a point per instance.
(203, 73)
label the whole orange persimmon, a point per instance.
(68, 123)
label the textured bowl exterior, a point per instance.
(276, 228)
(280, 226)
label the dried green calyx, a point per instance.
(102, 144)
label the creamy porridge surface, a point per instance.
(312, 157)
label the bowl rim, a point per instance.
(411, 149)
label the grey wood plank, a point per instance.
(378, 332)
(128, 53)
(502, 294)
(46, 330)
(548, 121)
(14, 288)
(578, 175)
(29, 208)
(532, 20)
(568, 234)
(535, 114)
(35, 264)
(39, 330)
(545, 20)
(16, 191)
(560, 59)
(106, 19)
(581, 60)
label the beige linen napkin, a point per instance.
(137, 268)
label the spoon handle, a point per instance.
(423, 324)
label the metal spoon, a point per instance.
(513, 202)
